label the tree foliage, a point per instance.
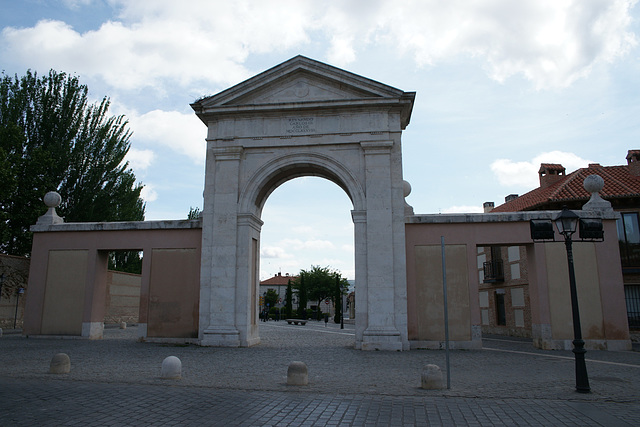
(319, 283)
(301, 290)
(288, 300)
(52, 138)
(271, 299)
(194, 213)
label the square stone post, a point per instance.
(382, 288)
(539, 297)
(95, 294)
(219, 242)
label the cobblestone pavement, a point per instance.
(116, 381)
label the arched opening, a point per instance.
(306, 222)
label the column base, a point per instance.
(382, 339)
(220, 337)
(92, 330)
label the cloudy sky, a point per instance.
(502, 85)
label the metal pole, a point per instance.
(15, 318)
(446, 313)
(582, 379)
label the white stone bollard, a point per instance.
(171, 368)
(60, 364)
(432, 378)
(297, 374)
(123, 325)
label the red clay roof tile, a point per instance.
(618, 183)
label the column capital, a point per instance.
(251, 220)
(227, 153)
(376, 147)
(359, 216)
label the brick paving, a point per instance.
(116, 381)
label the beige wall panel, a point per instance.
(64, 293)
(174, 293)
(587, 286)
(429, 293)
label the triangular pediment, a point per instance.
(300, 80)
(301, 86)
(298, 83)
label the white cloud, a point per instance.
(183, 133)
(274, 252)
(463, 209)
(524, 174)
(307, 244)
(139, 160)
(148, 194)
(348, 248)
(550, 42)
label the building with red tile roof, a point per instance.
(621, 187)
(558, 189)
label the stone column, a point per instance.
(219, 242)
(381, 330)
(248, 273)
(360, 241)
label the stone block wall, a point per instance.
(123, 297)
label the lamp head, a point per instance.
(567, 222)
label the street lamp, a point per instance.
(567, 223)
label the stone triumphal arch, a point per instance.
(303, 118)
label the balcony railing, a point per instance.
(493, 271)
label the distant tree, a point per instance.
(194, 213)
(288, 301)
(320, 284)
(271, 299)
(301, 290)
(338, 289)
(51, 138)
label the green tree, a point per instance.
(338, 289)
(320, 284)
(194, 213)
(51, 138)
(288, 301)
(271, 299)
(301, 290)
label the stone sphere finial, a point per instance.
(406, 188)
(593, 183)
(52, 199)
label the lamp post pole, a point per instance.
(567, 223)
(582, 379)
(19, 292)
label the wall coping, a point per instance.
(474, 218)
(180, 224)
